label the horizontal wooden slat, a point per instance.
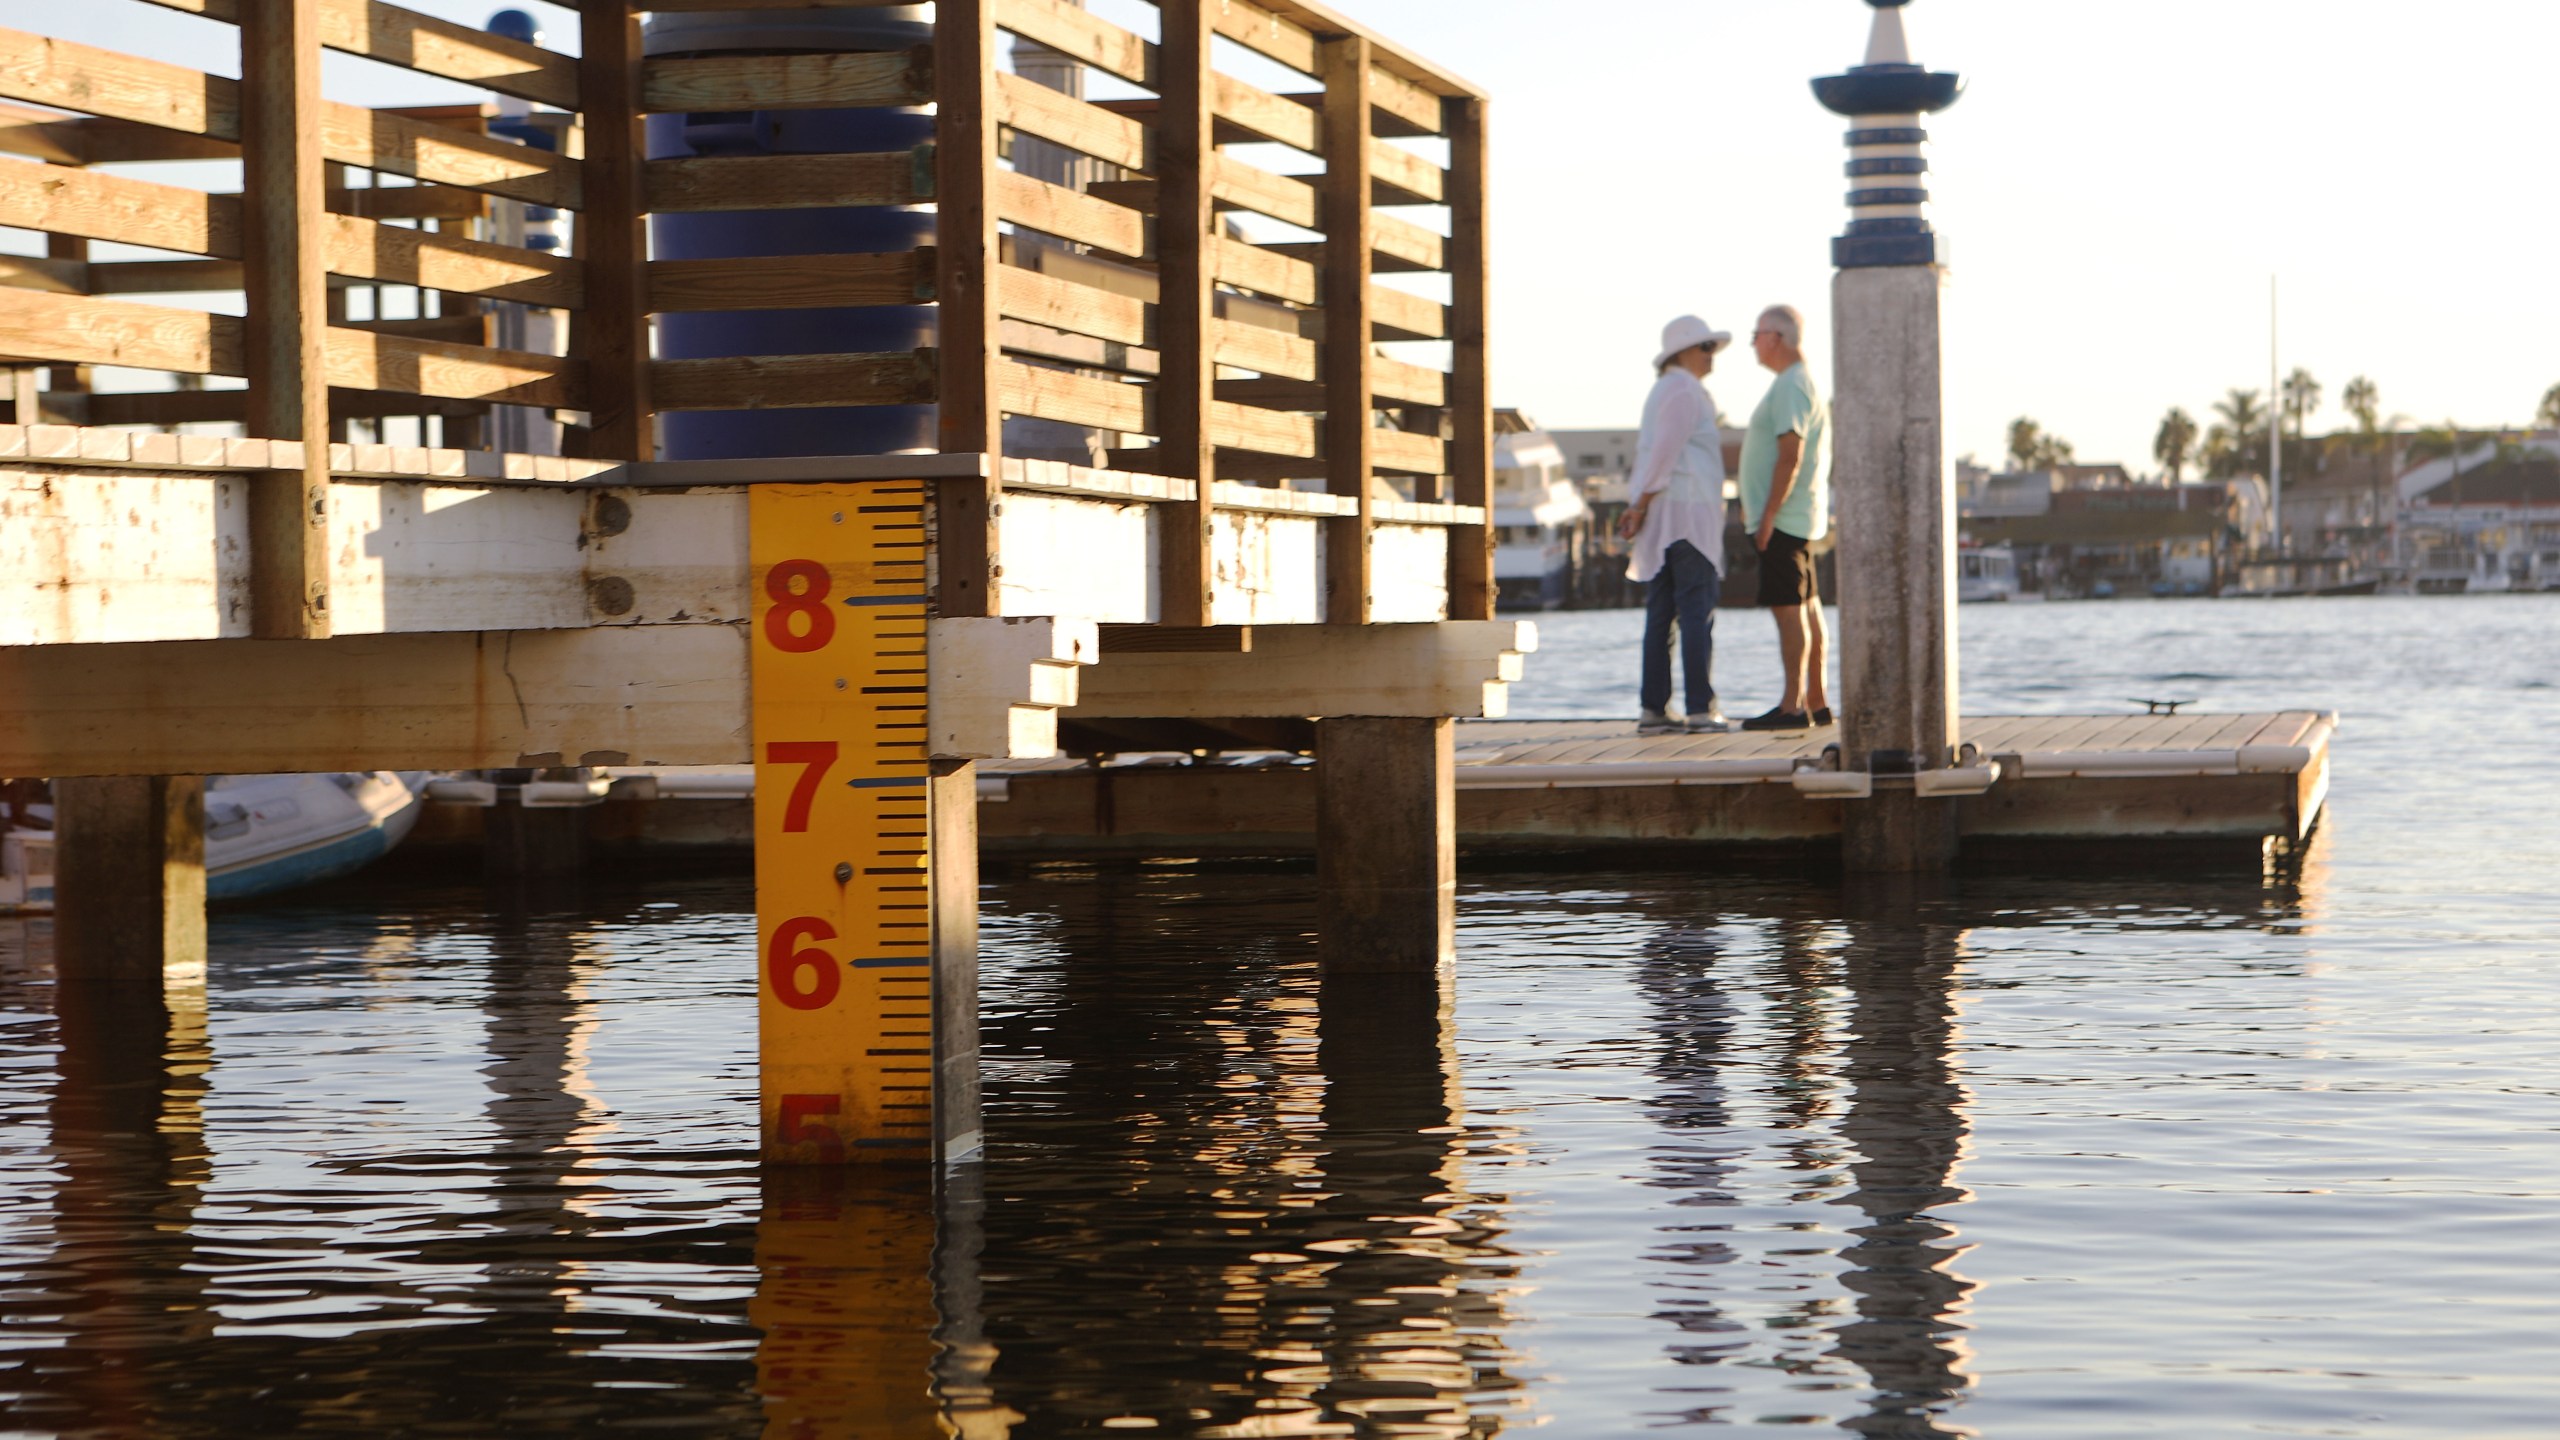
(791, 282)
(409, 202)
(1404, 178)
(785, 382)
(403, 37)
(1397, 315)
(162, 277)
(80, 331)
(696, 83)
(1070, 31)
(1079, 309)
(789, 182)
(209, 407)
(1396, 63)
(1407, 242)
(1407, 454)
(58, 277)
(1091, 130)
(1268, 432)
(75, 330)
(1312, 252)
(358, 360)
(452, 329)
(99, 206)
(1247, 114)
(123, 87)
(1264, 350)
(1293, 44)
(1391, 382)
(1245, 187)
(42, 135)
(1055, 210)
(1252, 267)
(1070, 398)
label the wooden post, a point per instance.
(613, 330)
(1186, 218)
(1350, 438)
(1471, 587)
(958, 1132)
(972, 416)
(1386, 843)
(129, 879)
(1897, 564)
(284, 198)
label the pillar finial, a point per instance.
(1885, 99)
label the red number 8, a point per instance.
(810, 600)
(784, 960)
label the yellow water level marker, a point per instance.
(844, 918)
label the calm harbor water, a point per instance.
(2027, 1156)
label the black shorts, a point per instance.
(1786, 571)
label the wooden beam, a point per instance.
(1469, 316)
(1080, 36)
(614, 695)
(103, 83)
(1265, 272)
(791, 282)
(1035, 109)
(1079, 309)
(1070, 215)
(58, 277)
(965, 180)
(284, 351)
(1185, 310)
(1299, 670)
(1175, 640)
(1350, 434)
(613, 332)
(785, 382)
(686, 84)
(787, 182)
(204, 407)
(431, 46)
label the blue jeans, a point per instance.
(1687, 588)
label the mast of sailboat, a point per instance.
(2275, 418)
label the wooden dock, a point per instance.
(2142, 789)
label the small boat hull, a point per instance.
(269, 833)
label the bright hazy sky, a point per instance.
(2118, 185)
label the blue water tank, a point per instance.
(733, 235)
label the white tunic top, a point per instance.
(1680, 462)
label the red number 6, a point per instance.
(785, 959)
(809, 600)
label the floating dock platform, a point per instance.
(2149, 789)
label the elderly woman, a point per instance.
(1675, 517)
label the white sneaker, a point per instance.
(1654, 722)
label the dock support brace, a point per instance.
(1387, 844)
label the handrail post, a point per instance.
(1350, 436)
(1471, 581)
(972, 414)
(1186, 219)
(286, 285)
(614, 232)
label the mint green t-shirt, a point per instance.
(1792, 406)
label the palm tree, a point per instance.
(2363, 400)
(2228, 444)
(2548, 417)
(2375, 438)
(2175, 442)
(2026, 439)
(2301, 399)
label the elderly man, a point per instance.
(1786, 507)
(1675, 517)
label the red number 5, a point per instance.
(810, 601)
(785, 960)
(797, 1128)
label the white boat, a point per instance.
(265, 833)
(1986, 573)
(1538, 511)
(262, 834)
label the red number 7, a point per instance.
(816, 757)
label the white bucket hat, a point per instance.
(1685, 332)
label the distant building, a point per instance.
(2095, 529)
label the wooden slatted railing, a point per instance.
(1217, 317)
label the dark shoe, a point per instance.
(1821, 718)
(1780, 720)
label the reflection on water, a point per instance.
(1677, 1151)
